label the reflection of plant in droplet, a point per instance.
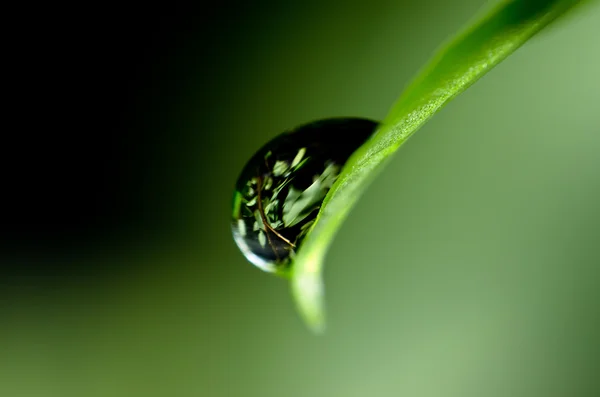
(280, 191)
(298, 205)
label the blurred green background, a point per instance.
(486, 284)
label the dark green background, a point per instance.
(471, 267)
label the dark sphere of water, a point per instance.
(280, 190)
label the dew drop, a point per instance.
(280, 190)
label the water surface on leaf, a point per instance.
(280, 190)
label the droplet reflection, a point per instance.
(280, 190)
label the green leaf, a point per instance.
(459, 64)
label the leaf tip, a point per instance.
(308, 292)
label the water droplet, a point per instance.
(280, 190)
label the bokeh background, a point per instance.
(471, 267)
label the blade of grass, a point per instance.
(460, 63)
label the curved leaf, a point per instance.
(459, 64)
